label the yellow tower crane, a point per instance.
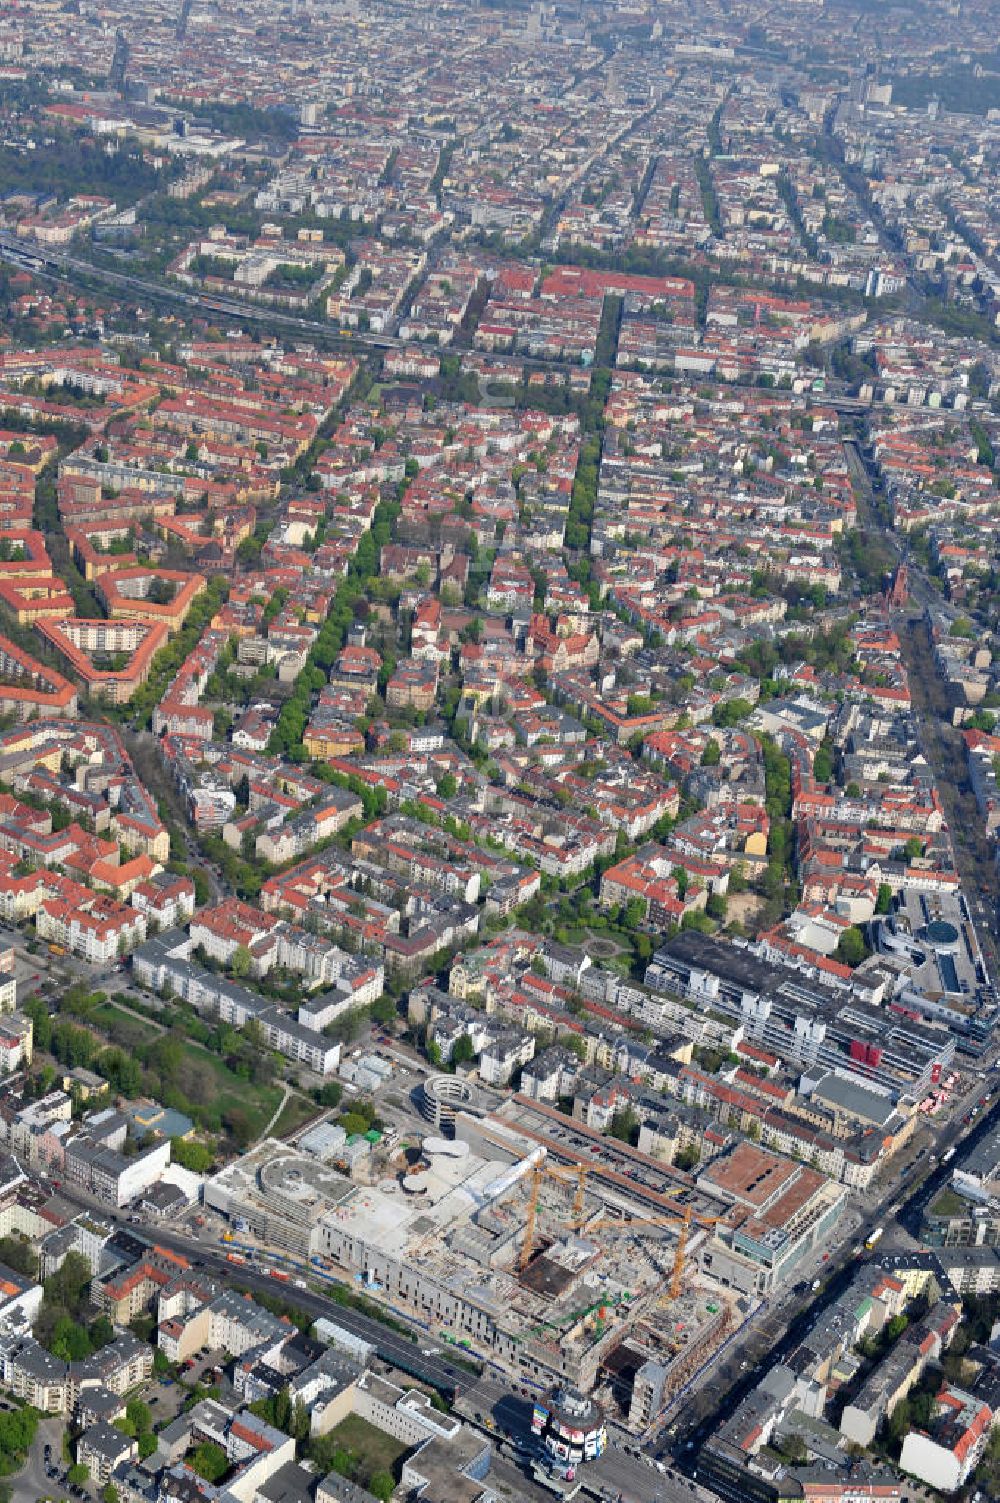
(682, 1219)
(560, 1173)
(528, 1244)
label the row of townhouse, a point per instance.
(428, 856)
(90, 924)
(31, 688)
(193, 1312)
(83, 644)
(178, 711)
(165, 962)
(894, 1377)
(372, 909)
(798, 1391)
(97, 1158)
(126, 1293)
(560, 842)
(299, 833)
(500, 1048)
(85, 767)
(271, 941)
(53, 1386)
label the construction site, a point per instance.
(650, 1319)
(559, 1272)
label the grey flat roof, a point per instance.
(852, 1097)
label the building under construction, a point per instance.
(665, 1349)
(655, 1321)
(619, 1277)
(550, 1269)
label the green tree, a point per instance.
(209, 1461)
(68, 1284)
(382, 1485)
(239, 1125)
(625, 1126)
(899, 1423)
(19, 1255)
(194, 1156)
(851, 948)
(463, 1051)
(282, 1416)
(635, 913)
(17, 1432)
(69, 1340)
(138, 1415)
(823, 763)
(101, 1333)
(298, 1425)
(716, 907)
(794, 1447)
(383, 1010)
(884, 900)
(241, 961)
(731, 711)
(78, 1474)
(895, 1328)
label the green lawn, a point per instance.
(948, 1204)
(122, 1027)
(373, 1450)
(294, 1113)
(576, 936)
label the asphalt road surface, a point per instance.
(390, 1345)
(907, 1213)
(31, 1483)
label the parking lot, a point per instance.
(205, 1367)
(44, 1474)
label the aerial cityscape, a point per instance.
(499, 751)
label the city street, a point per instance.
(497, 578)
(901, 1217)
(944, 750)
(641, 1480)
